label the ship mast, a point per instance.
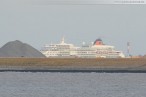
(62, 40)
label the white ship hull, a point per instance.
(98, 49)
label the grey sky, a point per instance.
(39, 23)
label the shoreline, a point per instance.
(100, 65)
(74, 71)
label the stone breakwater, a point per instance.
(73, 64)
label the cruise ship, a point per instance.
(95, 50)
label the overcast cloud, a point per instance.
(37, 24)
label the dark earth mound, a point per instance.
(19, 49)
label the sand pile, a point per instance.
(19, 49)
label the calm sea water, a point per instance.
(45, 84)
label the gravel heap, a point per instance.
(19, 49)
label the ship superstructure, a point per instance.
(95, 50)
